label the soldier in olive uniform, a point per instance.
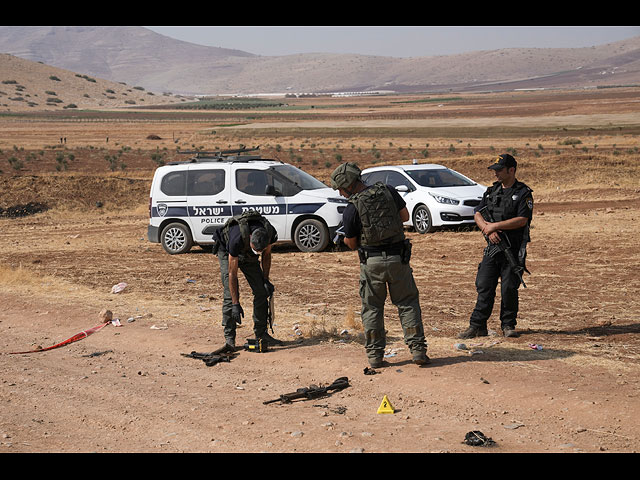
(511, 204)
(238, 246)
(373, 224)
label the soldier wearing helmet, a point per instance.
(373, 224)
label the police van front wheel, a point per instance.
(311, 236)
(176, 238)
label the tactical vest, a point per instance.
(381, 224)
(242, 221)
(502, 206)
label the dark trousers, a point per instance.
(253, 273)
(490, 270)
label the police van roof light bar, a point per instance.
(219, 153)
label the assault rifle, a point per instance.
(222, 354)
(270, 312)
(312, 391)
(503, 246)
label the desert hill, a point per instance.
(138, 56)
(29, 86)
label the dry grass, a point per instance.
(27, 281)
(22, 277)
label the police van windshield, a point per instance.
(442, 177)
(299, 178)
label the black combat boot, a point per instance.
(269, 340)
(473, 332)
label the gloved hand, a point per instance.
(269, 287)
(237, 313)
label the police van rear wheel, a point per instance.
(176, 239)
(311, 236)
(422, 220)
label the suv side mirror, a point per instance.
(271, 190)
(402, 188)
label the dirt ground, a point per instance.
(570, 382)
(129, 389)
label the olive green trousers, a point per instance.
(376, 276)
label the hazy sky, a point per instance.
(394, 41)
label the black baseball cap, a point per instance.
(502, 161)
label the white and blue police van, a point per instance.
(189, 200)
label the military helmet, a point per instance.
(345, 175)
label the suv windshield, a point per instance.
(299, 178)
(438, 178)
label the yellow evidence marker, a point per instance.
(385, 406)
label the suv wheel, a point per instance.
(311, 236)
(422, 220)
(176, 238)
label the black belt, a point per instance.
(379, 253)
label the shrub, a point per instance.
(570, 141)
(16, 163)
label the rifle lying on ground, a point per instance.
(312, 391)
(222, 354)
(503, 246)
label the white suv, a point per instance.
(436, 196)
(190, 200)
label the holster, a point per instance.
(406, 251)
(363, 256)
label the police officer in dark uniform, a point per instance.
(238, 246)
(373, 224)
(510, 203)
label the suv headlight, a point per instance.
(447, 200)
(337, 200)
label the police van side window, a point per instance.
(252, 182)
(255, 182)
(205, 182)
(174, 183)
